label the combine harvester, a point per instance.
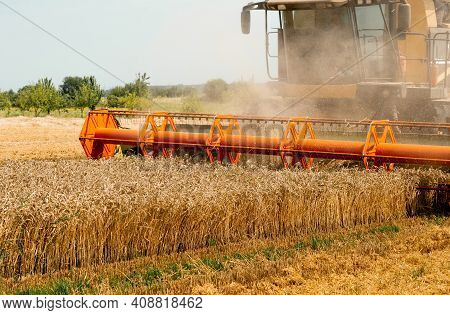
(391, 63)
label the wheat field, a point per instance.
(143, 226)
(58, 215)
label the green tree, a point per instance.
(39, 98)
(113, 101)
(132, 94)
(131, 101)
(118, 91)
(70, 86)
(140, 87)
(12, 96)
(215, 89)
(81, 92)
(115, 96)
(88, 94)
(5, 102)
(23, 97)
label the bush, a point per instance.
(129, 101)
(172, 91)
(190, 104)
(139, 88)
(215, 89)
(39, 98)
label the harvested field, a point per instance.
(26, 138)
(57, 215)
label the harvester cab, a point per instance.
(388, 57)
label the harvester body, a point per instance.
(391, 56)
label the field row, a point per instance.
(408, 256)
(58, 215)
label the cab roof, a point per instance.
(284, 5)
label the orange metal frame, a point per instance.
(101, 134)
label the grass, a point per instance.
(418, 272)
(59, 287)
(243, 256)
(386, 229)
(152, 275)
(174, 271)
(214, 264)
(211, 242)
(187, 266)
(317, 243)
(272, 253)
(435, 219)
(300, 246)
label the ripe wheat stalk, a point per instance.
(58, 215)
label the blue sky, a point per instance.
(175, 41)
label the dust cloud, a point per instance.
(319, 64)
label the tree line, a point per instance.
(79, 93)
(73, 93)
